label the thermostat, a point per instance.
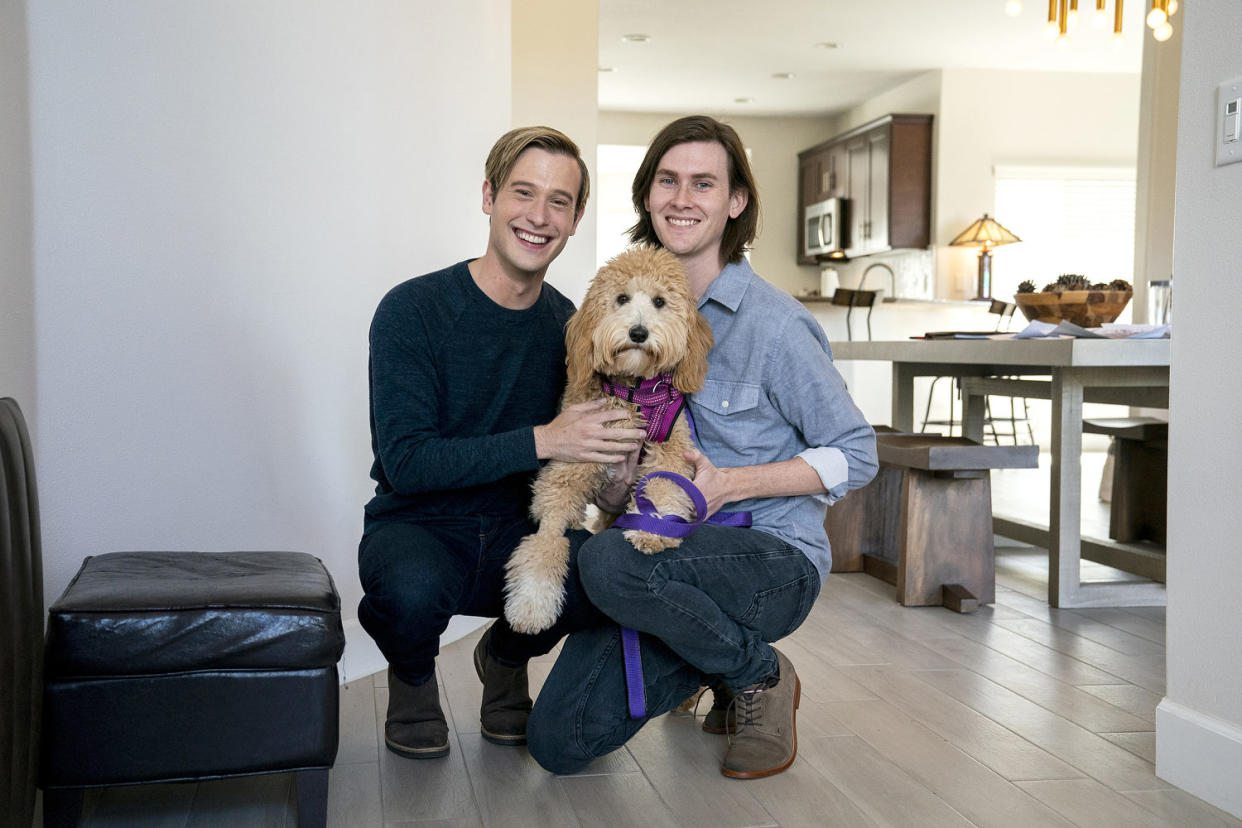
(1229, 122)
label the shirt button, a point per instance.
(724, 403)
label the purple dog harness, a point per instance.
(660, 404)
(657, 399)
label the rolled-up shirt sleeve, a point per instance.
(812, 395)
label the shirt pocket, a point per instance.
(730, 419)
(727, 399)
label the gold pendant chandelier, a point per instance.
(1063, 16)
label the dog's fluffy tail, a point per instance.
(535, 582)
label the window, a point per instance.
(614, 212)
(1070, 220)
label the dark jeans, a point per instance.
(707, 610)
(417, 576)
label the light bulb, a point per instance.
(1062, 42)
(1119, 40)
(1156, 18)
(1071, 19)
(1100, 20)
(1052, 29)
(1013, 8)
(1163, 32)
(1173, 7)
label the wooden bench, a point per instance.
(1140, 482)
(925, 523)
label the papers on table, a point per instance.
(961, 335)
(1037, 330)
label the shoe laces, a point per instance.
(698, 697)
(747, 707)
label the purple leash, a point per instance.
(660, 403)
(647, 519)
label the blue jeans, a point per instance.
(707, 610)
(417, 576)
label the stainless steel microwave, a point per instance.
(824, 223)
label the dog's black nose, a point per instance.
(638, 334)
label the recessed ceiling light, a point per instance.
(784, 75)
(826, 44)
(743, 100)
(636, 38)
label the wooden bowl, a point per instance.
(1085, 308)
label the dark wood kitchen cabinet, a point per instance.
(883, 170)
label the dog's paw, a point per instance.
(648, 543)
(535, 583)
(527, 616)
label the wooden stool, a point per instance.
(867, 521)
(925, 522)
(1140, 476)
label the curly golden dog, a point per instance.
(638, 320)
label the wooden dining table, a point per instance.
(1068, 372)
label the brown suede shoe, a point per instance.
(415, 727)
(722, 718)
(766, 740)
(506, 697)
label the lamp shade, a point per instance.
(985, 232)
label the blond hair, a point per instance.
(506, 151)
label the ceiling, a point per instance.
(704, 54)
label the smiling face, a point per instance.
(638, 319)
(690, 203)
(532, 213)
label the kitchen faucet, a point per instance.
(892, 280)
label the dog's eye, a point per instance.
(658, 301)
(622, 299)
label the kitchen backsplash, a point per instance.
(913, 272)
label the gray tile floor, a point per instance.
(1015, 715)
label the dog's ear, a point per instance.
(578, 353)
(690, 373)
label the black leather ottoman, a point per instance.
(177, 666)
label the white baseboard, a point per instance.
(362, 657)
(1200, 754)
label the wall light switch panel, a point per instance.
(1228, 122)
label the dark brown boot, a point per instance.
(415, 727)
(722, 717)
(506, 697)
(766, 740)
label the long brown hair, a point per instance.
(739, 232)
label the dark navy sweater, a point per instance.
(457, 385)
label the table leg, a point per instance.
(1065, 504)
(973, 412)
(903, 397)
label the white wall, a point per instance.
(17, 359)
(919, 96)
(223, 192)
(1199, 723)
(555, 82)
(774, 144)
(1156, 177)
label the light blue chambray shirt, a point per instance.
(772, 393)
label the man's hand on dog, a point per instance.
(582, 434)
(713, 482)
(614, 498)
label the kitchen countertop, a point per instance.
(939, 303)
